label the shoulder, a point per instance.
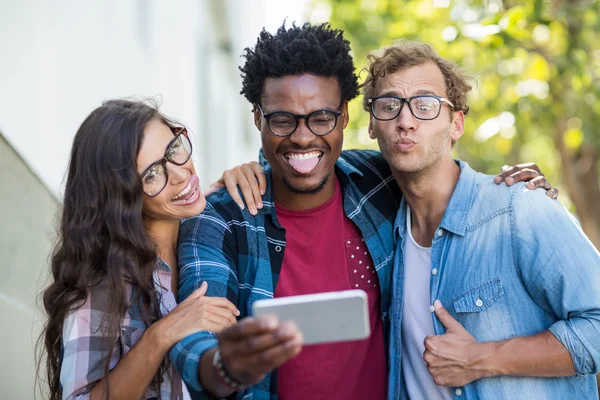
(366, 161)
(221, 213)
(491, 199)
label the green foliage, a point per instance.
(538, 60)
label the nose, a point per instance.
(302, 136)
(177, 174)
(405, 121)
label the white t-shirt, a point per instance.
(417, 320)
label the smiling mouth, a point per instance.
(303, 163)
(189, 194)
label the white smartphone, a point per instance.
(322, 317)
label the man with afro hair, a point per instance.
(326, 225)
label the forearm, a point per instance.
(208, 376)
(540, 355)
(134, 372)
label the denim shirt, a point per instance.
(510, 262)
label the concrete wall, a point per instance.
(27, 211)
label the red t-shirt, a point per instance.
(325, 252)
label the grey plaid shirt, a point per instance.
(85, 344)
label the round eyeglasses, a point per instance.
(179, 151)
(283, 123)
(423, 107)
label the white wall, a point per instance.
(60, 59)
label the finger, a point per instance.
(213, 323)
(539, 182)
(260, 176)
(219, 311)
(505, 171)
(259, 343)
(521, 176)
(214, 187)
(552, 193)
(246, 188)
(249, 327)
(278, 355)
(201, 291)
(445, 318)
(223, 303)
(232, 187)
(249, 171)
(530, 165)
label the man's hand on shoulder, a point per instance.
(527, 172)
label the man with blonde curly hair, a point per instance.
(516, 274)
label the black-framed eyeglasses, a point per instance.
(179, 151)
(283, 123)
(423, 107)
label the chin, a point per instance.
(306, 186)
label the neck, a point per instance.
(164, 233)
(428, 193)
(292, 200)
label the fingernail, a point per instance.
(237, 312)
(259, 204)
(437, 304)
(253, 211)
(529, 185)
(497, 179)
(241, 206)
(262, 191)
(510, 180)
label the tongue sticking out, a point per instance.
(304, 166)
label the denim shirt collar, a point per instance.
(457, 212)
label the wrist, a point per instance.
(223, 374)
(157, 334)
(489, 362)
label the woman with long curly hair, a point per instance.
(112, 314)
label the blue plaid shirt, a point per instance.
(240, 255)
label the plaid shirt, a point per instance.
(240, 255)
(85, 345)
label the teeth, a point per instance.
(300, 156)
(183, 192)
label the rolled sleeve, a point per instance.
(583, 355)
(186, 356)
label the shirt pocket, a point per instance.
(484, 311)
(361, 270)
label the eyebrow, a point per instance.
(326, 108)
(419, 92)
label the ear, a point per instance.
(371, 129)
(257, 117)
(345, 115)
(458, 125)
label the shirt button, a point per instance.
(478, 302)
(278, 249)
(440, 232)
(431, 308)
(434, 271)
(458, 392)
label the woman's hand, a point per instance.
(196, 313)
(250, 178)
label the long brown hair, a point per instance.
(102, 245)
